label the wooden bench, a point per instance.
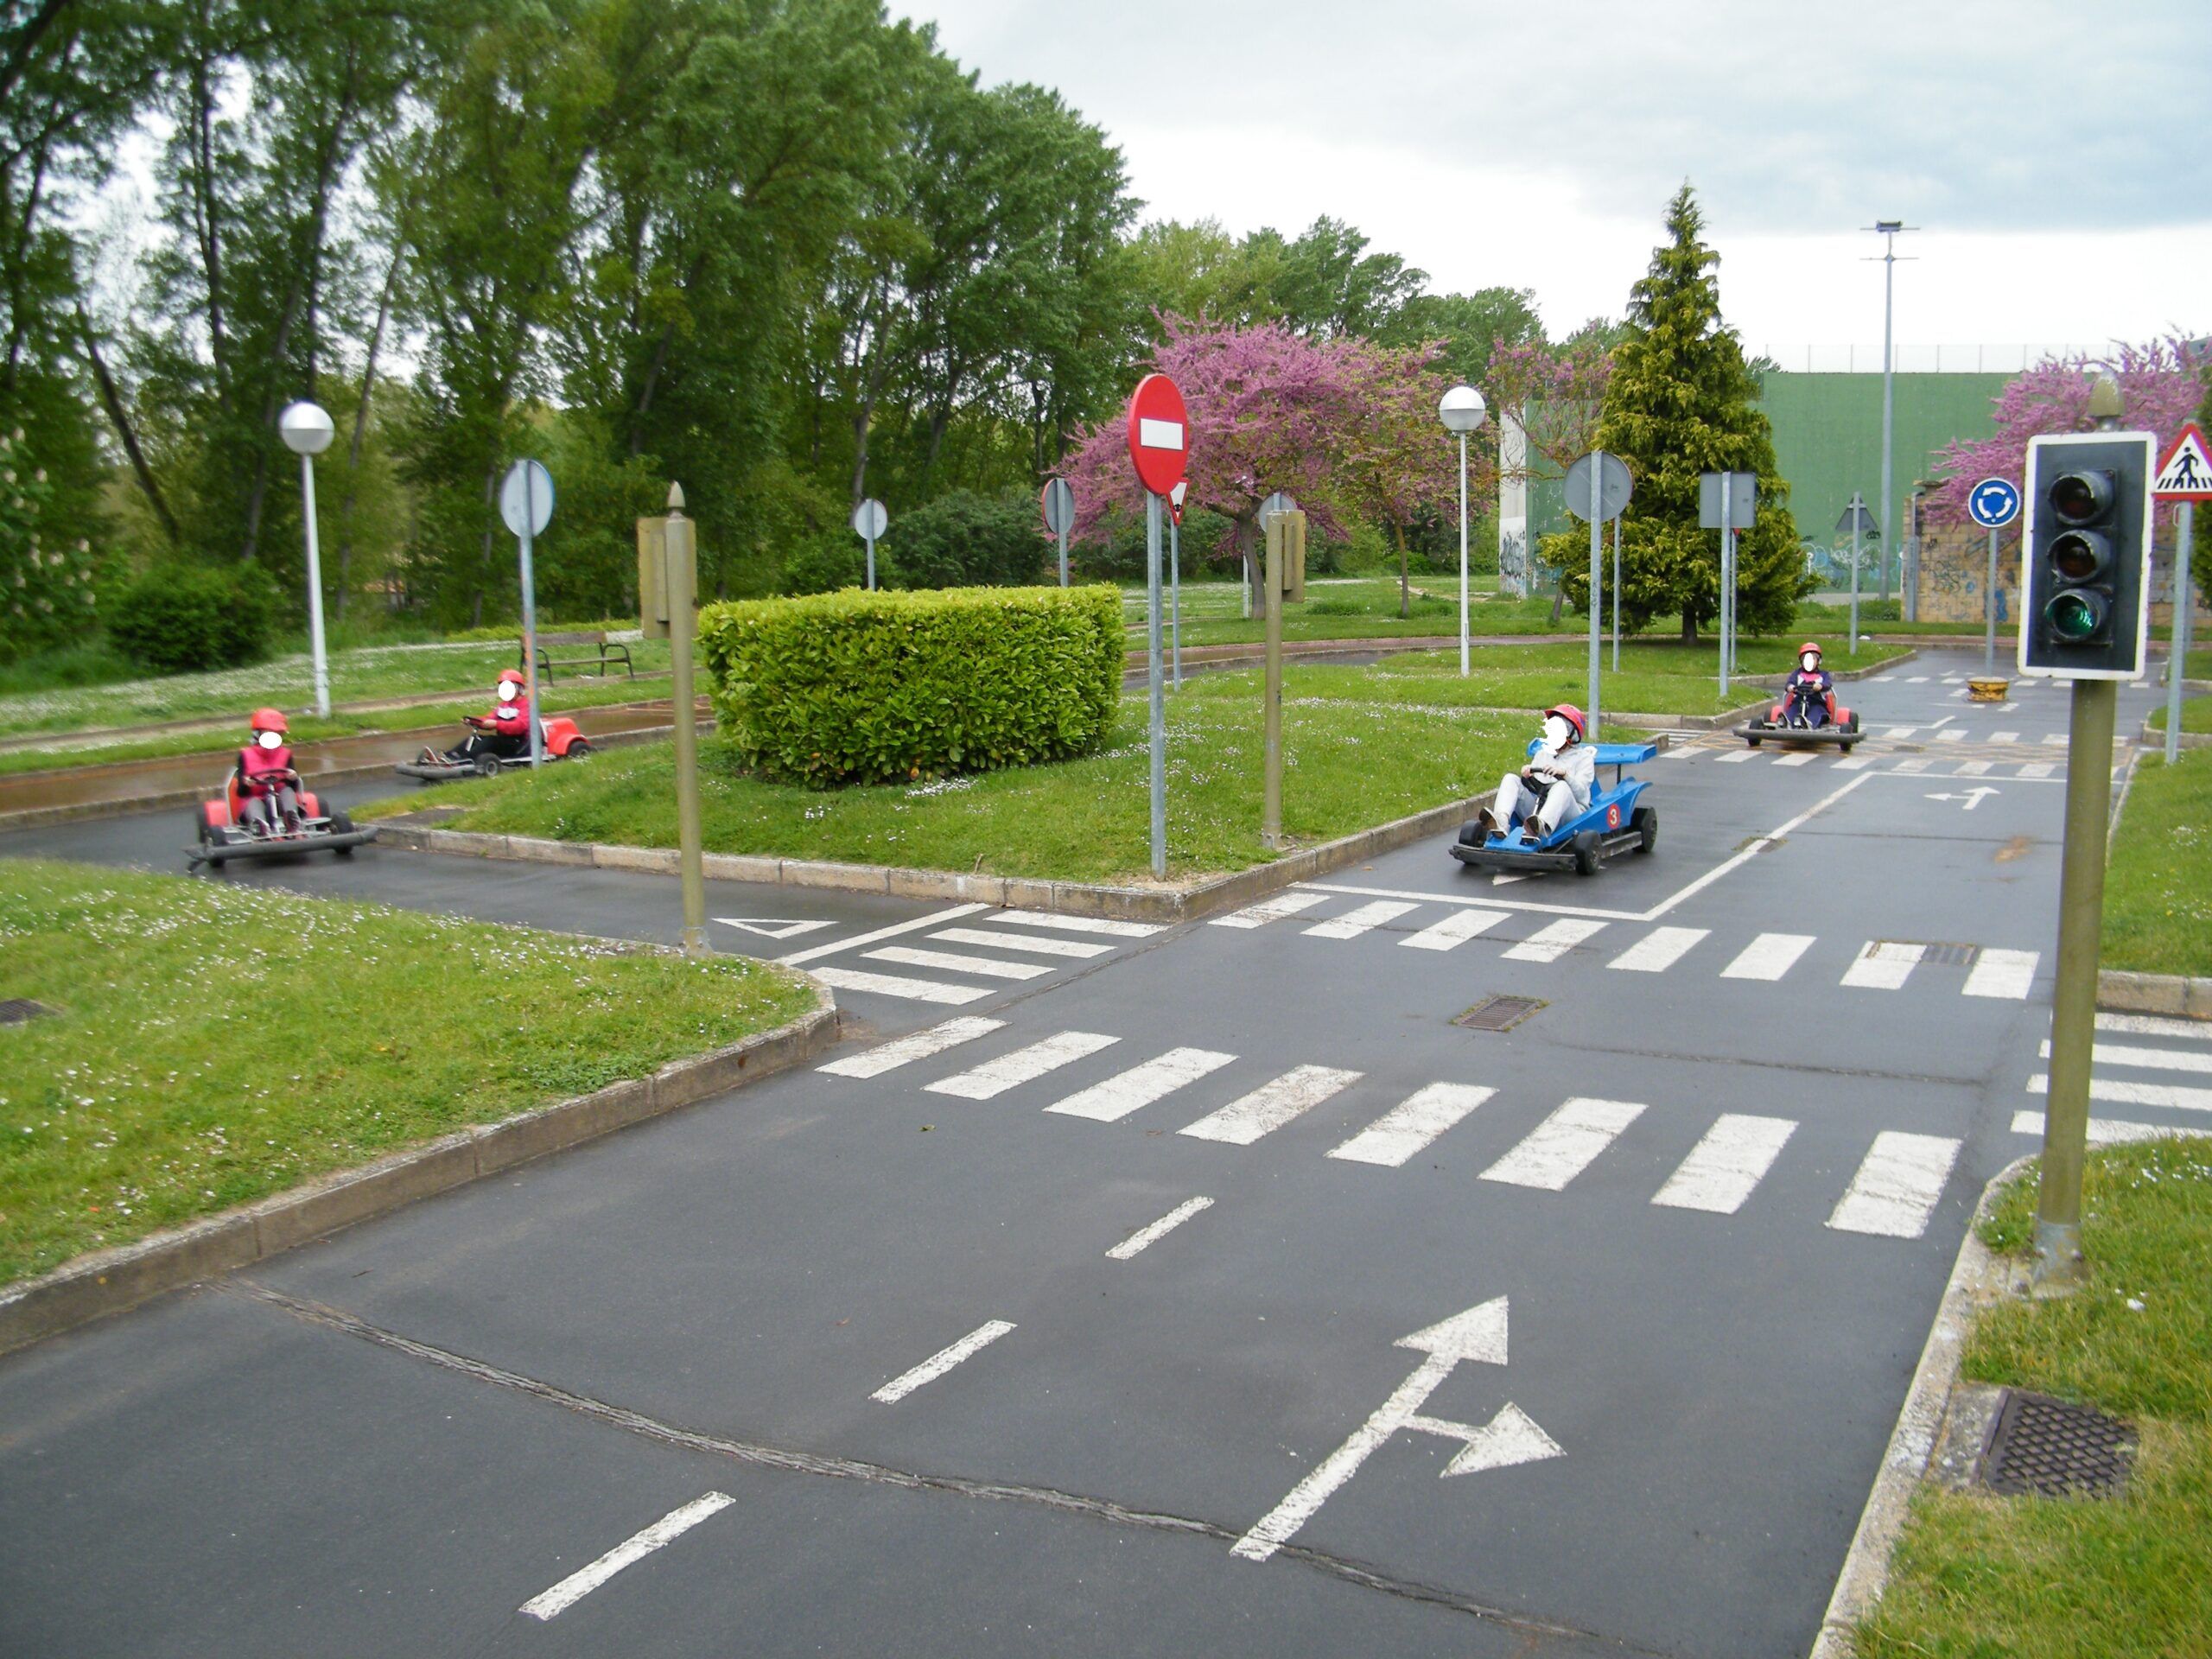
(608, 651)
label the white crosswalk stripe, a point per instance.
(2037, 769)
(1078, 924)
(1270, 909)
(1801, 757)
(1883, 965)
(1271, 1105)
(2123, 1091)
(1549, 943)
(1952, 734)
(2004, 737)
(1564, 1144)
(2003, 974)
(2153, 1025)
(1974, 769)
(1408, 1127)
(1017, 942)
(1658, 950)
(1740, 755)
(994, 1077)
(1724, 1167)
(1113, 1099)
(1916, 763)
(953, 962)
(2155, 1059)
(1353, 923)
(1455, 929)
(910, 990)
(1853, 762)
(2112, 1131)
(2058, 738)
(915, 1045)
(1898, 1184)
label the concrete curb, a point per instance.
(1977, 1278)
(2178, 994)
(2154, 737)
(110, 1281)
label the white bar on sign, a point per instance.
(1883, 965)
(913, 990)
(1550, 943)
(1079, 924)
(1658, 950)
(2110, 1131)
(1353, 923)
(953, 962)
(1270, 909)
(1271, 1105)
(994, 1078)
(1455, 929)
(1722, 1168)
(1136, 1243)
(1113, 1099)
(1898, 1184)
(1160, 434)
(1017, 942)
(2003, 973)
(941, 1362)
(1564, 1144)
(1769, 957)
(1410, 1125)
(547, 1604)
(916, 1046)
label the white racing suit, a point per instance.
(1563, 781)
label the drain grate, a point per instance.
(2055, 1449)
(1937, 954)
(17, 1010)
(1499, 1012)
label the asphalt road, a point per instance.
(1077, 1322)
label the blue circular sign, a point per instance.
(1995, 503)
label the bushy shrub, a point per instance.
(967, 540)
(178, 617)
(855, 687)
(835, 559)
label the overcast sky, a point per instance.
(1534, 143)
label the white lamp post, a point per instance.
(1461, 410)
(307, 432)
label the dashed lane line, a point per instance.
(551, 1604)
(941, 1362)
(1137, 1242)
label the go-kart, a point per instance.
(1791, 722)
(560, 740)
(1615, 823)
(225, 832)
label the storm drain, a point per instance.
(2054, 1449)
(18, 1010)
(1934, 955)
(1499, 1012)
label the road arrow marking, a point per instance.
(1511, 1437)
(1972, 797)
(771, 927)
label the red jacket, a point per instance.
(511, 718)
(256, 765)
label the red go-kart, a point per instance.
(226, 833)
(1793, 722)
(558, 735)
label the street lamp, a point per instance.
(1461, 410)
(307, 432)
(1889, 229)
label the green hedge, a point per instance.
(179, 619)
(855, 687)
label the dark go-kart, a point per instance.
(224, 831)
(1798, 720)
(1616, 823)
(562, 741)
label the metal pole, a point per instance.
(1152, 673)
(2177, 652)
(1175, 594)
(1271, 743)
(680, 550)
(1723, 618)
(1617, 592)
(1064, 559)
(1889, 407)
(1463, 555)
(1597, 557)
(1989, 604)
(2074, 998)
(530, 614)
(871, 563)
(1858, 520)
(314, 591)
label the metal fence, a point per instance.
(1849, 358)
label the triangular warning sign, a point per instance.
(2185, 470)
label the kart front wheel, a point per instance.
(1585, 848)
(1645, 822)
(341, 824)
(1754, 741)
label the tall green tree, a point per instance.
(1679, 401)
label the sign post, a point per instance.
(1727, 502)
(1992, 504)
(1060, 517)
(868, 520)
(526, 505)
(1616, 595)
(2185, 477)
(1858, 520)
(1175, 572)
(1160, 449)
(681, 583)
(1597, 488)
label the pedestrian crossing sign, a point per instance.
(2185, 470)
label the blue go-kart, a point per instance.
(1616, 823)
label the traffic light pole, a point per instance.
(2073, 999)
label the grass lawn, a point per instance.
(2158, 884)
(1977, 1575)
(1347, 765)
(216, 1045)
(2196, 713)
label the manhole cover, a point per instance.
(1935, 955)
(2055, 1449)
(15, 1010)
(1499, 1012)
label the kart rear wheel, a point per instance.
(201, 832)
(487, 765)
(1586, 846)
(341, 824)
(1645, 822)
(1754, 741)
(1852, 724)
(579, 750)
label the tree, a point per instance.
(1679, 402)
(1399, 463)
(1473, 327)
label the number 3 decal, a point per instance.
(1614, 815)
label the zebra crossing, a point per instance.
(1992, 971)
(1892, 1192)
(2000, 755)
(2138, 1075)
(1004, 947)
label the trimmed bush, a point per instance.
(855, 687)
(178, 618)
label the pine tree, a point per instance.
(1680, 401)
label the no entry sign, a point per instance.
(1159, 434)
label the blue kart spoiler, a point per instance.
(1611, 754)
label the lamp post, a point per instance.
(307, 431)
(1461, 410)
(1888, 230)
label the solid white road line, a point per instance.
(2110, 1131)
(1554, 940)
(1883, 965)
(1410, 1125)
(1758, 845)
(1722, 1168)
(1079, 924)
(2003, 973)
(572, 1589)
(1769, 957)
(941, 1362)
(2150, 1025)
(1270, 909)
(1271, 1105)
(1015, 942)
(2037, 769)
(1135, 1244)
(880, 934)
(1563, 1145)
(1898, 1184)
(1801, 757)
(915, 1045)
(1353, 923)
(913, 990)
(953, 962)
(1853, 762)
(1739, 756)
(994, 1077)
(1658, 950)
(1124, 1092)
(2121, 1092)
(1455, 929)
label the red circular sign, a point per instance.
(1159, 434)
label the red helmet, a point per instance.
(514, 676)
(1573, 716)
(269, 720)
(1808, 645)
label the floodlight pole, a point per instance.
(1888, 229)
(2177, 650)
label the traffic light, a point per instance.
(2085, 551)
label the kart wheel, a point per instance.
(487, 765)
(1754, 741)
(578, 750)
(341, 824)
(1848, 745)
(1645, 822)
(1585, 848)
(200, 830)
(1852, 724)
